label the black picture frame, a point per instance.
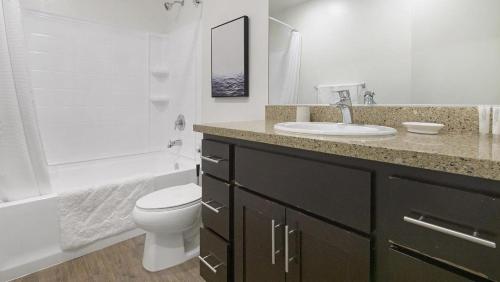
(230, 59)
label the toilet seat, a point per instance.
(171, 198)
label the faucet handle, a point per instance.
(180, 122)
(369, 98)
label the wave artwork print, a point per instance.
(228, 85)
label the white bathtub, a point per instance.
(29, 238)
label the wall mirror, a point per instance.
(385, 51)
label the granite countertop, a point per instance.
(460, 153)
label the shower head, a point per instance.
(169, 5)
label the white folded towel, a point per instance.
(92, 213)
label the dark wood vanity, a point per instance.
(274, 213)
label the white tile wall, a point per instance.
(159, 50)
(179, 53)
(183, 87)
(91, 86)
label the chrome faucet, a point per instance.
(173, 143)
(345, 105)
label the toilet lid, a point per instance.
(170, 197)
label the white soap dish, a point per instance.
(160, 71)
(423, 127)
(159, 99)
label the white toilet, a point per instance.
(171, 219)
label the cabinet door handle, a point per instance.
(212, 159)
(214, 209)
(273, 241)
(287, 251)
(212, 268)
(474, 239)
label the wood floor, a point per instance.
(120, 262)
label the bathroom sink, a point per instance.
(335, 129)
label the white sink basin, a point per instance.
(335, 129)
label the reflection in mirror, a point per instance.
(384, 51)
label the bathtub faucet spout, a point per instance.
(173, 143)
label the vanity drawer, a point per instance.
(403, 267)
(441, 222)
(215, 205)
(213, 257)
(334, 192)
(215, 159)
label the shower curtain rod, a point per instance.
(283, 23)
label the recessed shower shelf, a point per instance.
(160, 71)
(159, 99)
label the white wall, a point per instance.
(349, 41)
(216, 12)
(456, 51)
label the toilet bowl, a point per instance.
(171, 219)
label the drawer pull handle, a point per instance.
(208, 206)
(212, 159)
(450, 232)
(212, 268)
(392, 177)
(273, 241)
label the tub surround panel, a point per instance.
(463, 119)
(90, 87)
(465, 153)
(93, 87)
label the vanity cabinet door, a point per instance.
(259, 233)
(319, 251)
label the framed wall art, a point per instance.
(230, 59)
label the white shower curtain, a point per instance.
(285, 71)
(23, 170)
(290, 90)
